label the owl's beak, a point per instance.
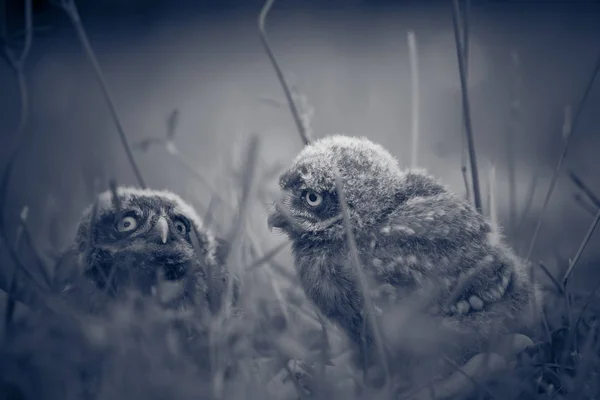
(277, 220)
(162, 227)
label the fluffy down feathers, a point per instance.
(145, 236)
(417, 242)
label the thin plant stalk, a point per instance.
(510, 143)
(464, 168)
(466, 107)
(474, 381)
(567, 130)
(536, 307)
(582, 247)
(466, 28)
(247, 188)
(116, 202)
(493, 212)
(266, 257)
(464, 152)
(585, 189)
(586, 304)
(528, 202)
(567, 136)
(585, 205)
(178, 155)
(415, 96)
(71, 9)
(264, 12)
(41, 265)
(370, 314)
(11, 302)
(294, 380)
(233, 239)
(17, 64)
(559, 287)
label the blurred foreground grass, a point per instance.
(278, 348)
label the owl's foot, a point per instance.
(475, 293)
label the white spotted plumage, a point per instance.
(411, 233)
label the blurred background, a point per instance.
(348, 58)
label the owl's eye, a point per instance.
(313, 199)
(180, 226)
(127, 224)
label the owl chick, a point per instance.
(411, 234)
(143, 236)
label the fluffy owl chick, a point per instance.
(412, 234)
(143, 236)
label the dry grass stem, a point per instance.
(466, 106)
(568, 128)
(582, 247)
(369, 307)
(17, 64)
(463, 138)
(71, 9)
(39, 262)
(415, 96)
(493, 211)
(557, 284)
(528, 202)
(11, 302)
(585, 204)
(515, 103)
(233, 238)
(473, 380)
(284, 85)
(267, 257)
(585, 189)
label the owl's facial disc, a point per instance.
(305, 211)
(146, 240)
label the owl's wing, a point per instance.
(432, 235)
(444, 238)
(439, 216)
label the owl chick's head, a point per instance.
(369, 176)
(141, 234)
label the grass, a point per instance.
(279, 347)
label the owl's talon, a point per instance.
(463, 307)
(476, 303)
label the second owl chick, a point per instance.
(411, 234)
(144, 235)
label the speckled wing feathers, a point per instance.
(437, 236)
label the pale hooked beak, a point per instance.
(277, 220)
(162, 226)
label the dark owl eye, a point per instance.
(313, 199)
(127, 224)
(180, 226)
